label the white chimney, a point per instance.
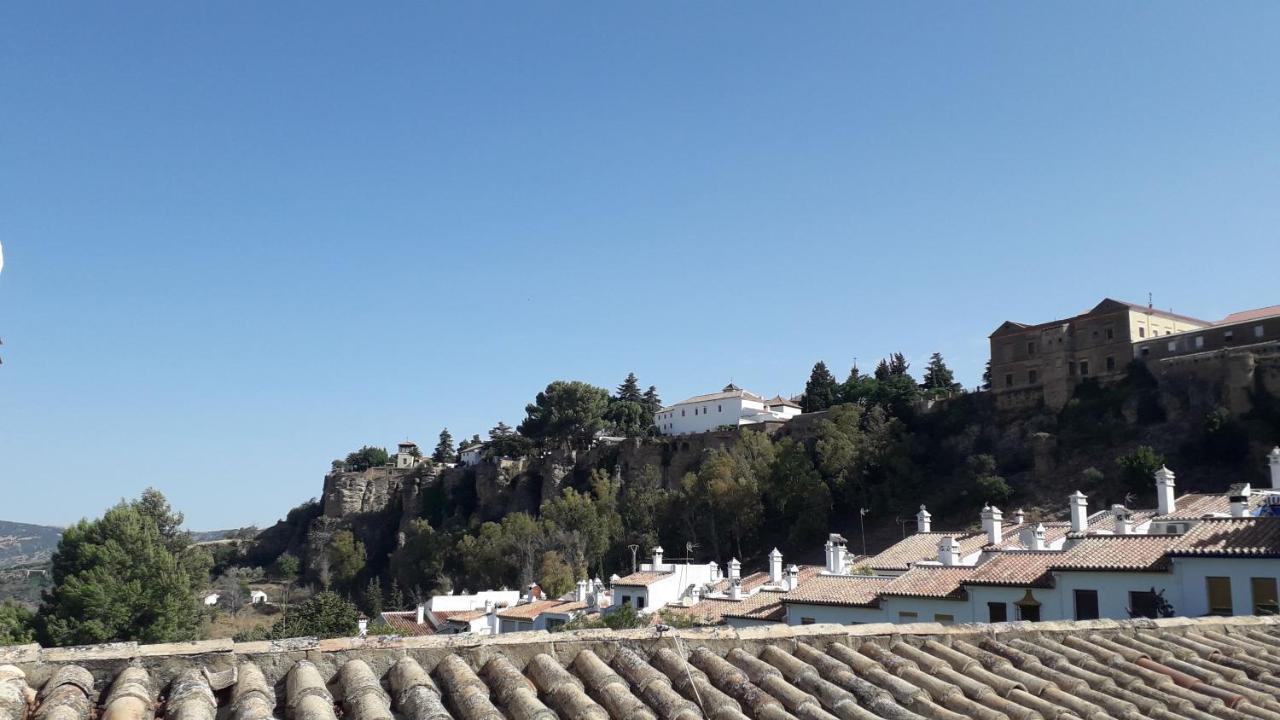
(793, 578)
(1240, 501)
(363, 625)
(1037, 538)
(582, 591)
(657, 558)
(1019, 517)
(835, 554)
(1122, 520)
(1273, 458)
(924, 521)
(829, 550)
(422, 613)
(1079, 511)
(775, 566)
(735, 589)
(948, 549)
(735, 569)
(992, 525)
(1165, 501)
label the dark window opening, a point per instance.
(1032, 376)
(997, 612)
(1219, 592)
(1142, 604)
(1084, 368)
(1086, 604)
(1111, 363)
(1008, 380)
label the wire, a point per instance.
(683, 652)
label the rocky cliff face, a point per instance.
(359, 493)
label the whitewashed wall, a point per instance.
(1193, 599)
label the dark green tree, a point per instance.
(555, 577)
(444, 452)
(629, 390)
(365, 458)
(938, 378)
(347, 558)
(373, 597)
(123, 576)
(326, 615)
(566, 413)
(1138, 469)
(419, 563)
(630, 419)
(822, 391)
(395, 597)
(286, 567)
(652, 402)
(504, 441)
(17, 624)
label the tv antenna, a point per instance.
(633, 549)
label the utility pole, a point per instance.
(862, 523)
(633, 548)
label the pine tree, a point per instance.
(629, 390)
(937, 376)
(395, 599)
(986, 376)
(822, 391)
(651, 401)
(373, 597)
(444, 449)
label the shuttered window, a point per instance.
(1086, 604)
(997, 612)
(1264, 596)
(1219, 591)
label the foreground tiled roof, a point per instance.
(1233, 537)
(641, 579)
(1219, 668)
(922, 546)
(845, 590)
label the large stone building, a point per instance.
(1031, 364)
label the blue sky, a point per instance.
(244, 239)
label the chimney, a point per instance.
(1122, 520)
(1273, 458)
(775, 566)
(924, 521)
(1079, 511)
(829, 548)
(422, 613)
(835, 554)
(735, 589)
(793, 578)
(1037, 538)
(1019, 517)
(363, 625)
(657, 558)
(1240, 501)
(735, 569)
(582, 591)
(991, 524)
(1165, 501)
(948, 549)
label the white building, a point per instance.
(407, 455)
(658, 584)
(463, 603)
(257, 597)
(471, 456)
(211, 599)
(731, 407)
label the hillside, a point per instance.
(22, 544)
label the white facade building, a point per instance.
(471, 456)
(731, 407)
(475, 601)
(407, 455)
(659, 584)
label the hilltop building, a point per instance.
(407, 455)
(731, 407)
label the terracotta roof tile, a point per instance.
(845, 590)
(406, 623)
(1015, 567)
(642, 579)
(921, 546)
(1198, 505)
(931, 581)
(764, 605)
(531, 610)
(1233, 537)
(1248, 315)
(1117, 552)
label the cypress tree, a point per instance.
(822, 391)
(444, 449)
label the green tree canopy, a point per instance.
(444, 452)
(822, 391)
(17, 624)
(124, 576)
(652, 402)
(1138, 469)
(504, 441)
(629, 390)
(419, 563)
(555, 577)
(346, 558)
(566, 412)
(326, 615)
(938, 378)
(365, 458)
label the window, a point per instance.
(1111, 334)
(1142, 604)
(1029, 613)
(682, 413)
(1228, 336)
(1199, 341)
(907, 616)
(639, 602)
(1071, 368)
(944, 619)
(626, 599)
(1086, 604)
(806, 621)
(1031, 377)
(1008, 352)
(1258, 331)
(1008, 380)
(997, 612)
(1031, 348)
(1173, 346)
(1145, 350)
(1219, 591)
(1264, 596)
(719, 408)
(1142, 332)
(1111, 362)
(1084, 368)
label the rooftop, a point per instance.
(922, 546)
(644, 578)
(1179, 667)
(1230, 537)
(844, 590)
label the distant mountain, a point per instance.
(22, 544)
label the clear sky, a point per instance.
(243, 239)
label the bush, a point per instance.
(324, 616)
(1138, 469)
(993, 488)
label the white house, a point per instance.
(257, 597)
(658, 584)
(475, 601)
(471, 456)
(732, 407)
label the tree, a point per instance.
(986, 376)
(644, 501)
(983, 474)
(822, 391)
(652, 402)
(1138, 469)
(419, 562)
(395, 598)
(286, 567)
(555, 577)
(346, 558)
(566, 412)
(373, 597)
(504, 441)
(325, 615)
(938, 378)
(444, 452)
(469, 442)
(797, 494)
(631, 419)
(858, 388)
(365, 458)
(17, 624)
(124, 576)
(629, 390)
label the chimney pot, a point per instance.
(1165, 501)
(735, 589)
(1019, 517)
(1240, 502)
(1122, 520)
(735, 569)
(793, 578)
(775, 566)
(948, 549)
(992, 524)
(924, 521)
(422, 613)
(657, 558)
(1079, 511)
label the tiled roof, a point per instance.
(531, 610)
(930, 581)
(1117, 552)
(406, 623)
(1198, 505)
(749, 582)
(1247, 315)
(641, 579)
(1180, 667)
(1015, 567)
(467, 616)
(922, 546)
(722, 395)
(1230, 537)
(844, 590)
(1053, 531)
(764, 605)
